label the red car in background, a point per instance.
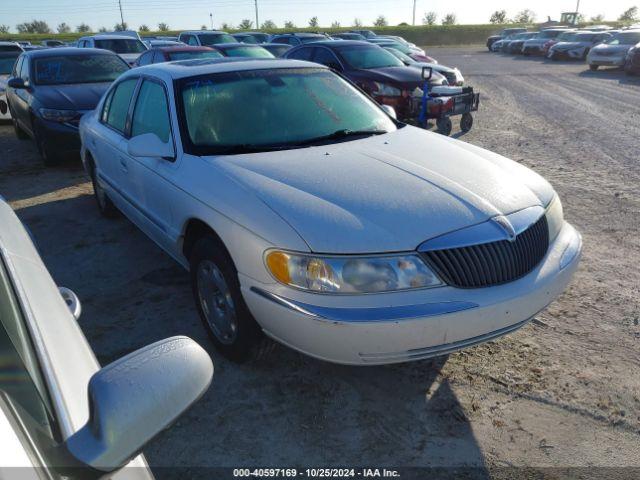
(173, 53)
(563, 37)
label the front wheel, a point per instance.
(50, 157)
(223, 311)
(444, 126)
(105, 205)
(466, 122)
(20, 133)
(593, 68)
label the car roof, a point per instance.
(66, 51)
(301, 34)
(104, 36)
(193, 68)
(181, 48)
(200, 32)
(222, 46)
(342, 43)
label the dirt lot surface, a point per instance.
(562, 392)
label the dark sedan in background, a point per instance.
(174, 53)
(51, 89)
(242, 50)
(276, 49)
(372, 68)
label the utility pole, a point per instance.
(211, 17)
(121, 16)
(257, 23)
(414, 12)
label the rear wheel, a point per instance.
(49, 156)
(593, 68)
(466, 122)
(223, 311)
(105, 205)
(444, 125)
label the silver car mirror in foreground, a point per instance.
(72, 301)
(389, 110)
(150, 145)
(427, 73)
(136, 397)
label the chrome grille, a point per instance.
(492, 263)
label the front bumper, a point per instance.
(533, 49)
(606, 60)
(404, 326)
(62, 137)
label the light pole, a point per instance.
(257, 23)
(211, 17)
(121, 16)
(414, 12)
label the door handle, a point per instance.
(123, 165)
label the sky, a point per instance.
(191, 14)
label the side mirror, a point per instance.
(72, 301)
(150, 145)
(16, 82)
(427, 72)
(136, 397)
(389, 110)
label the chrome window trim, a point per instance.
(366, 314)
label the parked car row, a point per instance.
(599, 46)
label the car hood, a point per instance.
(611, 48)
(408, 77)
(81, 96)
(385, 193)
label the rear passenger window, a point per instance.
(151, 113)
(118, 106)
(301, 54)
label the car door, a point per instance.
(110, 149)
(21, 101)
(151, 178)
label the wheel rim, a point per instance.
(216, 302)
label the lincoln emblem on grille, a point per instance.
(505, 224)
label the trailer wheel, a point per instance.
(466, 122)
(444, 126)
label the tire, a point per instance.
(20, 133)
(466, 122)
(105, 205)
(593, 68)
(49, 156)
(223, 311)
(444, 126)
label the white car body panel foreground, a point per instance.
(383, 194)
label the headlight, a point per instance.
(350, 274)
(385, 90)
(61, 116)
(555, 218)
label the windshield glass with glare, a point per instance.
(78, 69)
(119, 45)
(215, 38)
(367, 57)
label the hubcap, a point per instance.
(216, 302)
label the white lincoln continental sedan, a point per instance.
(303, 210)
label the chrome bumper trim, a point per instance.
(364, 315)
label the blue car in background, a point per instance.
(51, 89)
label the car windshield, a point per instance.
(188, 55)
(585, 37)
(121, 45)
(246, 39)
(254, 52)
(7, 61)
(567, 37)
(260, 37)
(406, 59)
(549, 34)
(350, 36)
(366, 57)
(69, 69)
(400, 47)
(276, 49)
(10, 48)
(215, 38)
(274, 109)
(626, 38)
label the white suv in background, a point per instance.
(126, 46)
(204, 38)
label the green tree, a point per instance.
(313, 22)
(83, 28)
(335, 24)
(381, 21)
(143, 28)
(226, 26)
(629, 15)
(430, 18)
(4, 28)
(245, 24)
(269, 25)
(102, 30)
(120, 27)
(499, 16)
(63, 28)
(289, 24)
(598, 18)
(34, 26)
(525, 16)
(449, 19)
(357, 22)
(203, 27)
(163, 27)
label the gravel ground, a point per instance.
(562, 392)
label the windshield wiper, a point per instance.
(339, 135)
